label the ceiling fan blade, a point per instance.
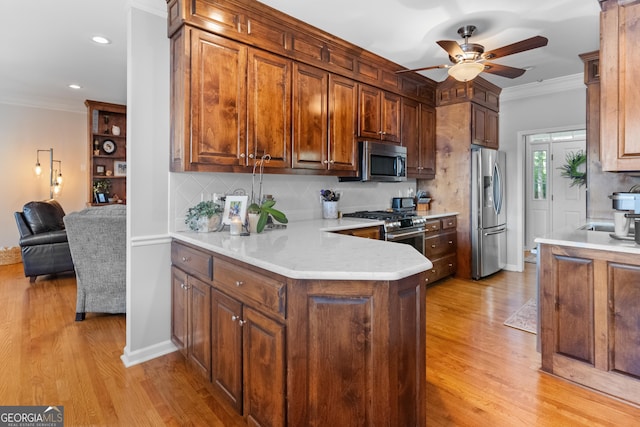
(452, 47)
(521, 46)
(503, 70)
(433, 67)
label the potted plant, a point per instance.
(259, 214)
(204, 217)
(101, 186)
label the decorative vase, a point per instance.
(253, 222)
(329, 210)
(205, 225)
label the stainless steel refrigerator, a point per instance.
(488, 212)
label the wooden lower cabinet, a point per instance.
(287, 352)
(440, 246)
(590, 318)
(191, 320)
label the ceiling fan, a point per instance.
(469, 59)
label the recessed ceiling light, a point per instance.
(75, 86)
(101, 40)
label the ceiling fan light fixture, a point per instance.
(465, 71)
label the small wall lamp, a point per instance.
(55, 175)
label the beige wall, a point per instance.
(24, 130)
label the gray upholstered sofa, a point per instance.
(97, 239)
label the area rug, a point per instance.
(525, 318)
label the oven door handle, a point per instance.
(396, 236)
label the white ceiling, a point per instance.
(46, 44)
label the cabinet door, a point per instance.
(427, 141)
(269, 108)
(343, 123)
(478, 124)
(179, 320)
(369, 125)
(411, 135)
(620, 92)
(217, 95)
(491, 129)
(310, 123)
(264, 370)
(624, 285)
(574, 317)
(390, 119)
(200, 326)
(226, 344)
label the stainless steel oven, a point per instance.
(413, 236)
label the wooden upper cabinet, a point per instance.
(418, 135)
(620, 92)
(484, 126)
(379, 116)
(269, 108)
(343, 124)
(210, 101)
(310, 117)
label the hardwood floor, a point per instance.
(479, 372)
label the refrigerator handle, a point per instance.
(497, 188)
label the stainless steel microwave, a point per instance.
(379, 161)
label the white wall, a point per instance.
(556, 103)
(26, 129)
(148, 258)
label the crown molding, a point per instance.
(546, 87)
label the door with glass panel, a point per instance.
(553, 201)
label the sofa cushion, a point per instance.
(44, 216)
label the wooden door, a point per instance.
(369, 125)
(269, 108)
(478, 125)
(264, 370)
(200, 326)
(343, 123)
(427, 141)
(226, 344)
(624, 317)
(390, 116)
(218, 101)
(179, 319)
(411, 136)
(310, 117)
(492, 129)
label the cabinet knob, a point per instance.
(433, 246)
(325, 161)
(251, 156)
(238, 319)
(239, 283)
(242, 155)
(332, 161)
(451, 242)
(185, 259)
(183, 286)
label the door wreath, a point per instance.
(574, 169)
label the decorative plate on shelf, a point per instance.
(109, 146)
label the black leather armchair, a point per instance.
(43, 239)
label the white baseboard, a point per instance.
(130, 358)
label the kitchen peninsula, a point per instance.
(303, 326)
(589, 317)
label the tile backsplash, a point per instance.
(298, 196)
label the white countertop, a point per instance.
(601, 240)
(308, 250)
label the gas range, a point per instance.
(394, 220)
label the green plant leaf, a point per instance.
(262, 221)
(277, 215)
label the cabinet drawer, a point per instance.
(441, 244)
(442, 267)
(250, 287)
(192, 261)
(432, 226)
(448, 222)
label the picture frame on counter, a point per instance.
(235, 206)
(101, 198)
